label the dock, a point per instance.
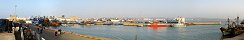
(48, 34)
(130, 24)
(204, 23)
(7, 36)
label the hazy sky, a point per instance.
(124, 8)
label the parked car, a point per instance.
(3, 24)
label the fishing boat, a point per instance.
(108, 23)
(82, 23)
(116, 21)
(140, 25)
(99, 23)
(55, 23)
(233, 28)
(89, 23)
(242, 23)
(180, 22)
(130, 24)
(158, 24)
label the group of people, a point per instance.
(42, 21)
(18, 27)
(31, 34)
(28, 33)
(12, 26)
(58, 32)
(39, 28)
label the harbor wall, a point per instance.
(204, 23)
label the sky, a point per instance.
(124, 8)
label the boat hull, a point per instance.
(158, 25)
(179, 25)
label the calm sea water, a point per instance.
(119, 32)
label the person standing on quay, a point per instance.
(9, 26)
(16, 26)
(39, 28)
(58, 32)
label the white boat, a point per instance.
(179, 25)
(28, 21)
(181, 22)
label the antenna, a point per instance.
(15, 9)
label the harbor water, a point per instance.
(119, 32)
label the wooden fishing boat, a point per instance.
(232, 29)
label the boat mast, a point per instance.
(228, 22)
(237, 20)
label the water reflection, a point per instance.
(181, 25)
(155, 28)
